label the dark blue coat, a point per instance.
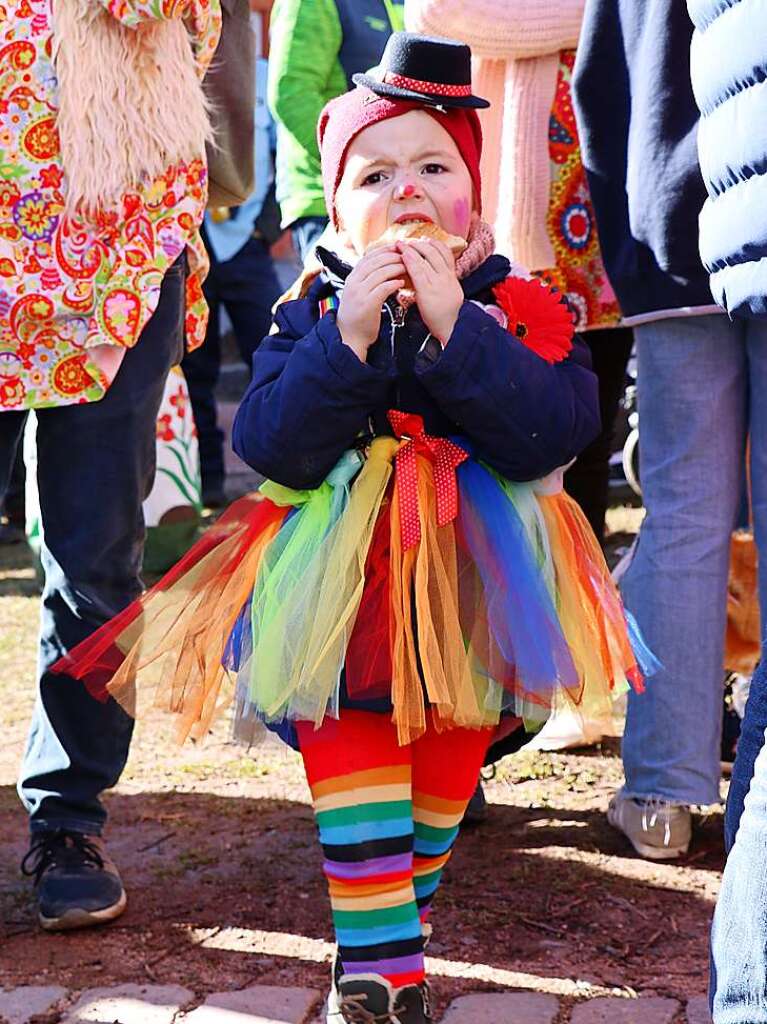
(729, 76)
(637, 123)
(311, 397)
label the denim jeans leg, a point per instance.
(201, 369)
(739, 932)
(692, 419)
(11, 429)
(96, 466)
(756, 333)
(249, 289)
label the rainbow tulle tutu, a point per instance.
(413, 574)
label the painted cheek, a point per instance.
(462, 215)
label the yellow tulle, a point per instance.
(311, 687)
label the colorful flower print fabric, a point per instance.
(75, 293)
(579, 272)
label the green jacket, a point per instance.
(315, 48)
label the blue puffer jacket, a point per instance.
(729, 72)
(311, 397)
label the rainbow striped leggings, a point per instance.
(388, 816)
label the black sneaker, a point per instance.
(77, 883)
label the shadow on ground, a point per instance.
(550, 892)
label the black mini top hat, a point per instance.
(424, 69)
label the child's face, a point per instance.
(407, 168)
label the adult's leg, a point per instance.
(739, 933)
(249, 289)
(588, 479)
(96, 466)
(201, 369)
(11, 429)
(692, 409)
(756, 333)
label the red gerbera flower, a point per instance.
(537, 317)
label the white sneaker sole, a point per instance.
(658, 852)
(79, 918)
(647, 850)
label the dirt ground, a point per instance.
(218, 852)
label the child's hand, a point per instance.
(431, 266)
(378, 275)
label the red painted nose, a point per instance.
(408, 191)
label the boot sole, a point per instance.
(76, 917)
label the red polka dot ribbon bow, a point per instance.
(445, 458)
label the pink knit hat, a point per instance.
(347, 115)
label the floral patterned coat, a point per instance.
(75, 293)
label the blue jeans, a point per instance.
(739, 934)
(96, 465)
(306, 232)
(247, 286)
(702, 382)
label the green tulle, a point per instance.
(288, 582)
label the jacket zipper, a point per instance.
(397, 317)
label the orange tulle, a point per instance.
(166, 646)
(590, 608)
(470, 623)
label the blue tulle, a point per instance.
(646, 660)
(521, 613)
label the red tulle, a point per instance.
(537, 317)
(368, 655)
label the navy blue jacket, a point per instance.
(729, 69)
(311, 397)
(637, 122)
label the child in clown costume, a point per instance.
(411, 581)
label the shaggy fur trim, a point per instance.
(131, 102)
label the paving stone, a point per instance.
(502, 1008)
(698, 1011)
(17, 1005)
(607, 1010)
(129, 1004)
(261, 1004)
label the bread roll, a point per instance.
(418, 229)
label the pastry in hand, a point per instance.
(406, 230)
